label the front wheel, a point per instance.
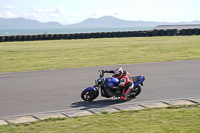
(89, 95)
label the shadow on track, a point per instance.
(98, 104)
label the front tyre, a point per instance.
(89, 95)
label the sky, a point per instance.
(75, 11)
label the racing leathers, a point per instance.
(125, 83)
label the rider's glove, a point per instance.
(105, 71)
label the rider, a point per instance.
(125, 79)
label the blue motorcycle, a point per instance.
(102, 84)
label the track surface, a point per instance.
(40, 91)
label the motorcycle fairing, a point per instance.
(111, 81)
(91, 88)
(140, 80)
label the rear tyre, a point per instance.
(89, 95)
(135, 91)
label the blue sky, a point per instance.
(74, 11)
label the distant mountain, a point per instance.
(22, 23)
(103, 22)
(109, 21)
(186, 26)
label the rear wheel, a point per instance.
(135, 91)
(89, 95)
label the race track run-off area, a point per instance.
(50, 90)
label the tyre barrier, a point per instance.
(183, 32)
(189, 31)
(155, 33)
(149, 33)
(196, 31)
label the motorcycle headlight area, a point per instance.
(98, 81)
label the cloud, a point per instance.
(46, 15)
(116, 13)
(8, 14)
(58, 14)
(59, 10)
(99, 13)
(7, 7)
(36, 9)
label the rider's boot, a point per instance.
(124, 96)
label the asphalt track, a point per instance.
(49, 90)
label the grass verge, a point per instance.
(182, 119)
(57, 54)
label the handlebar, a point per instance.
(101, 73)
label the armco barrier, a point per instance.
(149, 33)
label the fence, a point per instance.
(168, 32)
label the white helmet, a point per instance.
(118, 72)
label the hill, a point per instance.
(22, 23)
(188, 26)
(109, 21)
(103, 22)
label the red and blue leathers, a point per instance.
(125, 83)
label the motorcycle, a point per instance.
(102, 84)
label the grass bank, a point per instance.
(173, 119)
(57, 54)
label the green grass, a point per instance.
(182, 119)
(57, 54)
